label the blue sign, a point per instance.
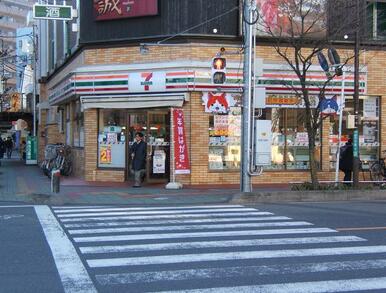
(329, 106)
(323, 62)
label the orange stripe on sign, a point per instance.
(179, 73)
(93, 77)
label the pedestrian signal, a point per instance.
(219, 70)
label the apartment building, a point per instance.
(13, 16)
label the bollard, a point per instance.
(55, 181)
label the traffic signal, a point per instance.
(219, 65)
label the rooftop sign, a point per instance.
(114, 9)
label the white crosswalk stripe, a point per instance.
(170, 249)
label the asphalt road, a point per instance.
(299, 247)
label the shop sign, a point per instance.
(113, 9)
(329, 106)
(159, 159)
(147, 82)
(181, 158)
(105, 155)
(301, 138)
(31, 150)
(55, 12)
(218, 102)
(289, 101)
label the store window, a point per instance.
(290, 139)
(368, 129)
(289, 149)
(111, 138)
(224, 140)
(68, 125)
(78, 132)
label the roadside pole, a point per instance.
(341, 107)
(245, 177)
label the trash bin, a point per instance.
(55, 181)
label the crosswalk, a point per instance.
(217, 248)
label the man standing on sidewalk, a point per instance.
(9, 147)
(138, 159)
(2, 149)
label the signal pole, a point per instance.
(356, 160)
(245, 177)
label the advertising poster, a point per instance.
(159, 159)
(182, 165)
(105, 155)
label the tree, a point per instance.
(299, 33)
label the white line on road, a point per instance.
(234, 272)
(208, 215)
(103, 209)
(173, 221)
(201, 234)
(17, 206)
(73, 274)
(155, 212)
(222, 243)
(238, 255)
(187, 227)
(352, 285)
(76, 207)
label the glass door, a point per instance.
(155, 126)
(158, 144)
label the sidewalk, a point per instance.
(27, 184)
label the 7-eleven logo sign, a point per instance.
(147, 82)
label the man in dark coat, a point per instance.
(138, 159)
(9, 147)
(346, 160)
(2, 149)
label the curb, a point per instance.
(307, 196)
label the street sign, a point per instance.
(54, 12)
(31, 150)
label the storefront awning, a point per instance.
(133, 101)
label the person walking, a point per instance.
(9, 147)
(346, 160)
(138, 159)
(2, 149)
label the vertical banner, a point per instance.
(181, 158)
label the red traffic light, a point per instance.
(219, 63)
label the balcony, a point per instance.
(6, 10)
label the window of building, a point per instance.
(376, 19)
(111, 138)
(369, 113)
(224, 140)
(289, 149)
(68, 125)
(78, 131)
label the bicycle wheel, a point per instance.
(376, 172)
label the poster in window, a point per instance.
(105, 155)
(159, 159)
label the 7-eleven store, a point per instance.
(102, 107)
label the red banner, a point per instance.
(113, 9)
(181, 158)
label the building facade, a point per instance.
(14, 15)
(125, 75)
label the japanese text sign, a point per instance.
(59, 12)
(181, 157)
(113, 9)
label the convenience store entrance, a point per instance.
(155, 126)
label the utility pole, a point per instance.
(34, 80)
(356, 160)
(245, 177)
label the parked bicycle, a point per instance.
(58, 157)
(378, 170)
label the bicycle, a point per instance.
(378, 170)
(57, 156)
